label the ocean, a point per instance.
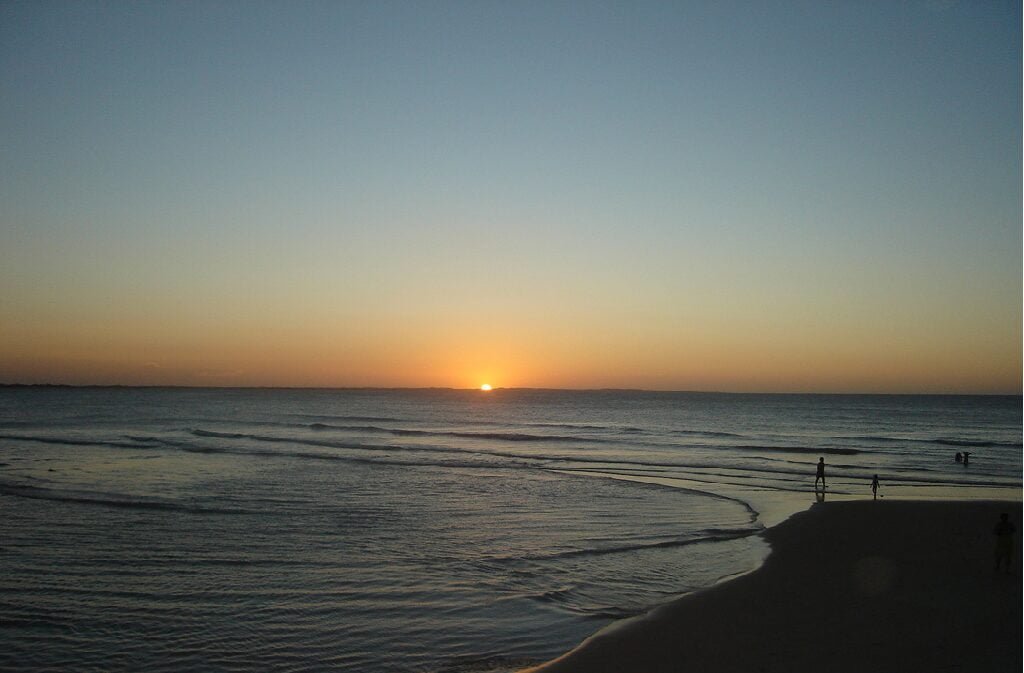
(435, 531)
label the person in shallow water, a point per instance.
(821, 474)
(874, 488)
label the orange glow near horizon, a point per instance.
(811, 362)
(486, 387)
(691, 346)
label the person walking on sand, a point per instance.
(874, 488)
(820, 475)
(1004, 541)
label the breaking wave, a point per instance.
(109, 500)
(71, 441)
(943, 441)
(499, 436)
(707, 536)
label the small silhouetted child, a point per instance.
(1004, 541)
(874, 488)
(821, 474)
(958, 457)
(967, 456)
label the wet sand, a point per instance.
(866, 586)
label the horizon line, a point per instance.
(500, 389)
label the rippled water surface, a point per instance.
(307, 530)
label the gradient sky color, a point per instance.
(737, 196)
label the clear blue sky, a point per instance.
(725, 195)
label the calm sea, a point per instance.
(420, 530)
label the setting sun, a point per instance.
(485, 387)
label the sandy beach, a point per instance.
(850, 586)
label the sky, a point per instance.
(777, 196)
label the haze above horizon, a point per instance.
(741, 197)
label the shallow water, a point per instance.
(177, 529)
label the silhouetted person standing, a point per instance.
(874, 488)
(967, 455)
(1004, 541)
(821, 474)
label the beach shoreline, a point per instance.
(849, 586)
